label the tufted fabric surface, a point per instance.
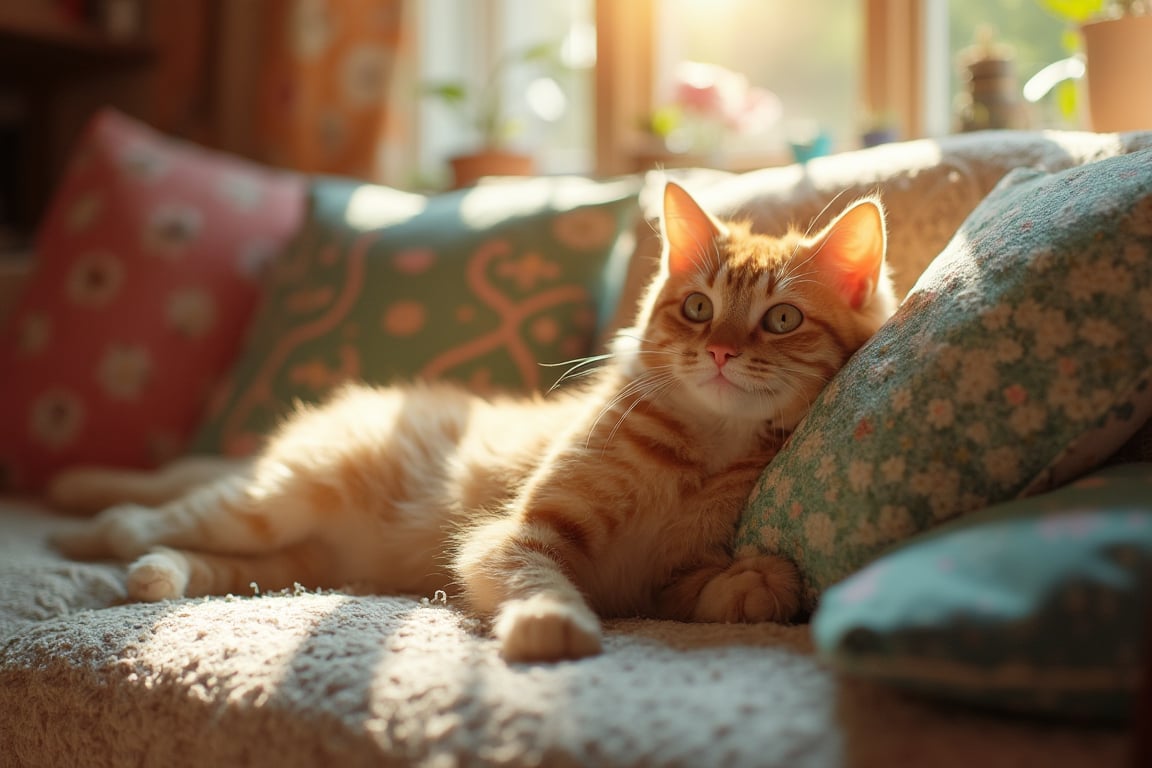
(339, 679)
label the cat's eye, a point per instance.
(782, 318)
(697, 308)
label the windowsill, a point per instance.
(649, 158)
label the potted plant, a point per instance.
(1117, 40)
(879, 128)
(481, 106)
(710, 106)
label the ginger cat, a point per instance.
(615, 498)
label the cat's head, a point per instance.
(750, 326)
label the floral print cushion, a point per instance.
(487, 286)
(146, 270)
(1021, 358)
(1038, 605)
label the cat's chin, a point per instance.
(723, 387)
(722, 397)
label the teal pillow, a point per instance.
(481, 286)
(1021, 359)
(1039, 605)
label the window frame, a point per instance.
(903, 72)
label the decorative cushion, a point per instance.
(1020, 359)
(145, 268)
(1138, 447)
(1038, 605)
(481, 285)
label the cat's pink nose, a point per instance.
(722, 353)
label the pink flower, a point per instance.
(1067, 526)
(698, 89)
(1016, 394)
(861, 586)
(714, 92)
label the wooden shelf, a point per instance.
(55, 72)
(58, 45)
(14, 270)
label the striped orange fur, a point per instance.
(615, 497)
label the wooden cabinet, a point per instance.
(61, 60)
(56, 67)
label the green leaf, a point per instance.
(1072, 40)
(665, 120)
(541, 52)
(1074, 11)
(509, 128)
(452, 92)
(1067, 98)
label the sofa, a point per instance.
(307, 282)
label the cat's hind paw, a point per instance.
(162, 574)
(543, 628)
(753, 589)
(124, 532)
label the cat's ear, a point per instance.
(851, 250)
(688, 230)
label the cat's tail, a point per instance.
(86, 490)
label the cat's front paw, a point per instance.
(543, 628)
(162, 574)
(752, 589)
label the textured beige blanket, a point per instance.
(336, 679)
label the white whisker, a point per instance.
(569, 376)
(576, 366)
(579, 361)
(657, 376)
(665, 384)
(643, 340)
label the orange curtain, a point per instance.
(325, 86)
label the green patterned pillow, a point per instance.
(1020, 359)
(481, 285)
(1038, 605)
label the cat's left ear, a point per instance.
(851, 250)
(688, 230)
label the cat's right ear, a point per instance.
(851, 250)
(688, 231)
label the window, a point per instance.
(479, 43)
(914, 50)
(833, 67)
(807, 55)
(1033, 39)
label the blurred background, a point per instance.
(406, 92)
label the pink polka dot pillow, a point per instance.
(145, 277)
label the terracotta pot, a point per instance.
(878, 136)
(1119, 61)
(468, 169)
